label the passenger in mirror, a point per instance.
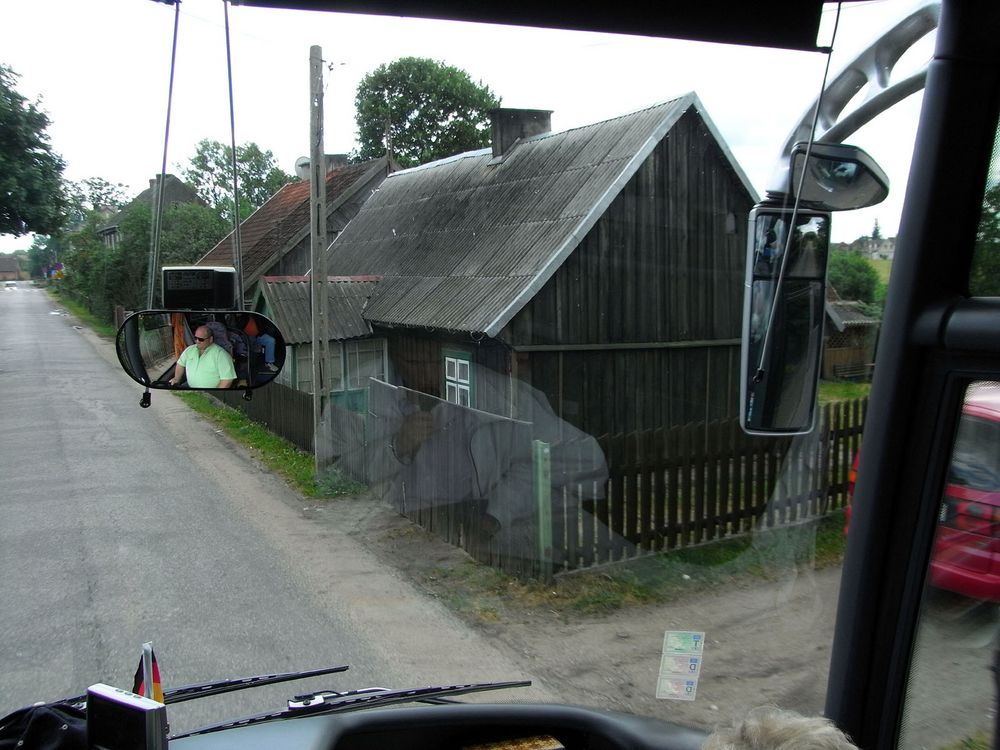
(205, 364)
(261, 342)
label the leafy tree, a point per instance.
(102, 277)
(420, 110)
(984, 278)
(31, 195)
(876, 232)
(853, 276)
(93, 194)
(211, 175)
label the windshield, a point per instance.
(527, 461)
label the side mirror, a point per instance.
(835, 178)
(783, 309)
(202, 351)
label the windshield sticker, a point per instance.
(680, 665)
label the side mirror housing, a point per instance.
(201, 350)
(783, 310)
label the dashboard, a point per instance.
(458, 727)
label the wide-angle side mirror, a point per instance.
(783, 322)
(201, 350)
(836, 177)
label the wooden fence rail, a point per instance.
(612, 498)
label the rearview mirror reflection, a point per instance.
(204, 350)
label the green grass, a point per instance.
(835, 390)
(99, 327)
(473, 588)
(883, 267)
(978, 741)
(277, 454)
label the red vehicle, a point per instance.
(966, 556)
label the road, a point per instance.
(123, 525)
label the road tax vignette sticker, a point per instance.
(680, 665)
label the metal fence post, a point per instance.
(541, 462)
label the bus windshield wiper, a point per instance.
(319, 703)
(218, 687)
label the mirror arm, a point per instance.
(146, 399)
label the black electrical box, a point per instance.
(199, 288)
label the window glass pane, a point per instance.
(365, 359)
(449, 367)
(951, 694)
(336, 366)
(984, 278)
(303, 367)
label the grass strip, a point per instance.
(86, 317)
(275, 453)
(654, 579)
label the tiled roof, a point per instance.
(283, 221)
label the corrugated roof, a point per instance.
(288, 299)
(465, 242)
(278, 225)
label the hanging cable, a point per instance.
(237, 250)
(154, 235)
(759, 374)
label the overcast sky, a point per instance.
(101, 71)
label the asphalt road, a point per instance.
(122, 525)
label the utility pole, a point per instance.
(317, 279)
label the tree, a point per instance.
(853, 276)
(31, 195)
(420, 110)
(101, 276)
(211, 175)
(93, 194)
(876, 232)
(984, 277)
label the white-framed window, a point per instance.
(303, 367)
(458, 379)
(365, 359)
(336, 377)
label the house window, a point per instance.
(365, 359)
(458, 378)
(336, 366)
(303, 367)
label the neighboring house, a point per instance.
(355, 355)
(578, 264)
(10, 268)
(851, 335)
(275, 239)
(175, 191)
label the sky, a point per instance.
(100, 70)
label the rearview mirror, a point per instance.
(783, 308)
(203, 351)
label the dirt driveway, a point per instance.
(769, 643)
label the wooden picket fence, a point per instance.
(697, 483)
(611, 499)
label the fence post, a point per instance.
(541, 462)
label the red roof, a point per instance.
(272, 229)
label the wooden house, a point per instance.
(600, 268)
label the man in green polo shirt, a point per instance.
(206, 364)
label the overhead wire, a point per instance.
(160, 182)
(237, 250)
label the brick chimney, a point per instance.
(510, 125)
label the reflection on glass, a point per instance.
(951, 694)
(200, 350)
